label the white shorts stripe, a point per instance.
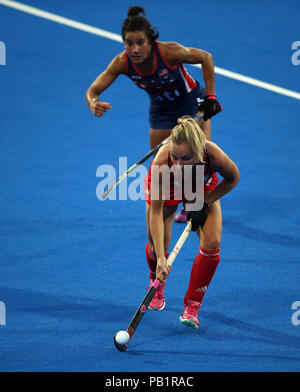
(209, 254)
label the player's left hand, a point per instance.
(210, 106)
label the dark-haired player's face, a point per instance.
(137, 46)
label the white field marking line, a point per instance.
(116, 37)
(255, 82)
(60, 19)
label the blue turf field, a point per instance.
(72, 268)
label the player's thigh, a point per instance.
(169, 212)
(168, 216)
(158, 135)
(206, 128)
(211, 232)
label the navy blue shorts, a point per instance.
(164, 116)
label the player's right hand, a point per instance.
(162, 267)
(99, 108)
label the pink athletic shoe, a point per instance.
(158, 302)
(189, 314)
(181, 216)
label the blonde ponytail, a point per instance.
(188, 131)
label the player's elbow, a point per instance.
(233, 178)
(208, 58)
(236, 177)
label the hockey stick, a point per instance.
(134, 166)
(146, 301)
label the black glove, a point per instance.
(210, 106)
(198, 217)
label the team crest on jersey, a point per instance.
(162, 72)
(161, 79)
(141, 84)
(165, 77)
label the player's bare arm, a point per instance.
(176, 53)
(221, 163)
(102, 82)
(157, 232)
(156, 211)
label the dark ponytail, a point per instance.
(137, 22)
(135, 10)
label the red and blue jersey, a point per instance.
(176, 184)
(165, 83)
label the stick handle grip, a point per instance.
(180, 243)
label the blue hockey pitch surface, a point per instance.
(73, 270)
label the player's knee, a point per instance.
(211, 243)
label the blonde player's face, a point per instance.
(182, 156)
(137, 46)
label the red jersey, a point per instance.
(209, 179)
